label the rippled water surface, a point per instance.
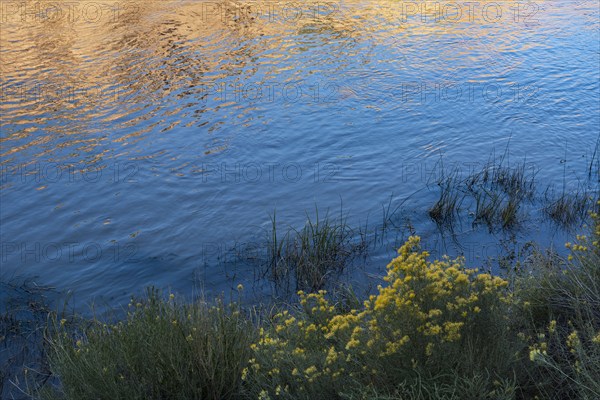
(143, 142)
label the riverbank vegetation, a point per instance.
(433, 329)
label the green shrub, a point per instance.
(307, 258)
(162, 350)
(561, 304)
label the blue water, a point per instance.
(147, 143)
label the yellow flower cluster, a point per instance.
(426, 306)
(573, 341)
(434, 300)
(585, 243)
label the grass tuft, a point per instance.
(306, 258)
(446, 209)
(162, 350)
(567, 209)
(495, 194)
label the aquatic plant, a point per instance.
(566, 209)
(307, 257)
(446, 208)
(494, 195)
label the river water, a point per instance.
(147, 143)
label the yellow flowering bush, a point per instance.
(422, 320)
(432, 306)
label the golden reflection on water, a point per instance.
(76, 76)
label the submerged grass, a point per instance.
(494, 196)
(567, 209)
(24, 306)
(306, 258)
(487, 205)
(446, 209)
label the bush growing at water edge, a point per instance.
(162, 350)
